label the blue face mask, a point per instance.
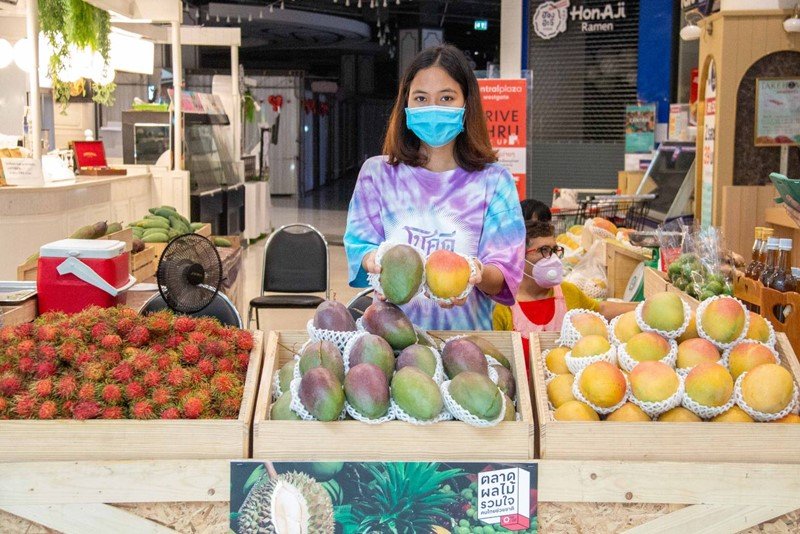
(435, 125)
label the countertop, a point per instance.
(134, 172)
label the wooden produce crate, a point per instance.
(747, 290)
(20, 313)
(144, 264)
(395, 440)
(125, 235)
(621, 262)
(654, 282)
(69, 439)
(28, 271)
(204, 230)
(654, 441)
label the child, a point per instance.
(438, 187)
(544, 298)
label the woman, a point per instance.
(437, 186)
(544, 298)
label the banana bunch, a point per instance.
(163, 224)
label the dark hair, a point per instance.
(473, 149)
(534, 229)
(535, 210)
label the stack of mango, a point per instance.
(162, 224)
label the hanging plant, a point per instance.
(71, 27)
(249, 105)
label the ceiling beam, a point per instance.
(190, 35)
(142, 10)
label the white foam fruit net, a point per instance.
(654, 409)
(627, 363)
(375, 279)
(548, 374)
(703, 411)
(339, 338)
(702, 333)
(726, 356)
(473, 271)
(462, 414)
(763, 416)
(569, 335)
(276, 385)
(576, 365)
(402, 415)
(355, 414)
(297, 406)
(578, 394)
(669, 334)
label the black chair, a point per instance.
(296, 262)
(360, 303)
(221, 308)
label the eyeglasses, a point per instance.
(547, 251)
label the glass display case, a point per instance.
(670, 178)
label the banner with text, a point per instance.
(505, 105)
(361, 497)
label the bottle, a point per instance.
(783, 280)
(26, 133)
(748, 272)
(766, 233)
(772, 261)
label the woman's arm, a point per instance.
(364, 227)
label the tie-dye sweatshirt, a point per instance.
(474, 213)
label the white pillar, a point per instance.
(177, 83)
(35, 117)
(511, 15)
(236, 120)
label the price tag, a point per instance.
(23, 171)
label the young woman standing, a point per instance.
(438, 186)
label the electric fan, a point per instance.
(189, 273)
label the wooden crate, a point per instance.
(20, 313)
(696, 442)
(395, 440)
(747, 290)
(620, 262)
(144, 264)
(204, 230)
(68, 439)
(28, 271)
(125, 235)
(654, 282)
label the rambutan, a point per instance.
(125, 325)
(122, 372)
(111, 393)
(215, 348)
(84, 357)
(24, 405)
(151, 378)
(161, 396)
(138, 336)
(223, 383)
(42, 388)
(47, 352)
(197, 337)
(171, 413)
(99, 331)
(3, 407)
(196, 376)
(164, 361)
(142, 361)
(72, 333)
(244, 340)
(93, 371)
(45, 369)
(225, 365)
(48, 410)
(190, 353)
(46, 333)
(110, 341)
(174, 341)
(134, 390)
(242, 360)
(87, 392)
(26, 347)
(113, 412)
(111, 357)
(159, 323)
(226, 335)
(85, 410)
(7, 334)
(185, 324)
(127, 311)
(177, 376)
(206, 367)
(142, 410)
(26, 365)
(230, 407)
(193, 407)
(66, 386)
(24, 330)
(10, 384)
(68, 350)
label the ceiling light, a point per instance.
(792, 24)
(692, 32)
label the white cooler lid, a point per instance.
(83, 248)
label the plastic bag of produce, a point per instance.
(700, 270)
(590, 273)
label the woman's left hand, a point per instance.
(476, 279)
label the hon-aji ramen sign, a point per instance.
(551, 17)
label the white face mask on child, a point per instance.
(547, 272)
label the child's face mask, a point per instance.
(546, 272)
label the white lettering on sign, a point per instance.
(550, 18)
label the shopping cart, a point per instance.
(625, 211)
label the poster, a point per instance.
(367, 497)
(777, 111)
(640, 129)
(505, 106)
(709, 138)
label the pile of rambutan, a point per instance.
(112, 363)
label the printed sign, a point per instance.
(550, 18)
(505, 106)
(382, 497)
(777, 111)
(640, 129)
(709, 138)
(23, 171)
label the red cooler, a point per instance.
(77, 273)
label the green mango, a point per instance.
(402, 270)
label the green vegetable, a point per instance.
(156, 238)
(222, 242)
